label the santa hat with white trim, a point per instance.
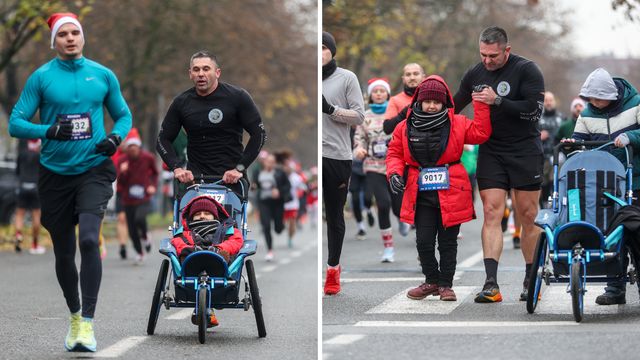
(133, 138)
(375, 82)
(59, 19)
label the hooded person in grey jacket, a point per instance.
(612, 114)
(342, 106)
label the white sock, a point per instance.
(361, 226)
(333, 267)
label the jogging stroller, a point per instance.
(589, 189)
(204, 280)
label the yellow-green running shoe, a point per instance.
(70, 341)
(86, 341)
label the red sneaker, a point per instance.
(332, 283)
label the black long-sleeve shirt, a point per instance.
(214, 125)
(514, 123)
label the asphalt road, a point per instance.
(34, 319)
(371, 318)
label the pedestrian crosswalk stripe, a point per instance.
(556, 300)
(380, 279)
(482, 324)
(401, 304)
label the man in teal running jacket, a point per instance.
(76, 171)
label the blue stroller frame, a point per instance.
(204, 280)
(572, 248)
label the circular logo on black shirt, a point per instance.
(215, 116)
(504, 88)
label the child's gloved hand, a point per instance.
(225, 255)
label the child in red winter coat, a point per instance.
(425, 155)
(207, 226)
(204, 221)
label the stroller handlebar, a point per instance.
(581, 143)
(213, 178)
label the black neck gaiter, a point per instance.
(409, 91)
(329, 69)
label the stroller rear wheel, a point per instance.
(577, 289)
(537, 269)
(256, 302)
(157, 295)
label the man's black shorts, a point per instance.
(509, 172)
(119, 204)
(28, 198)
(63, 197)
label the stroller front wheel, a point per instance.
(577, 290)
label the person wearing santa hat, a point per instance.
(566, 128)
(74, 185)
(371, 144)
(27, 171)
(138, 178)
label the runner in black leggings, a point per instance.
(74, 184)
(371, 145)
(274, 190)
(360, 193)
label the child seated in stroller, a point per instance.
(207, 226)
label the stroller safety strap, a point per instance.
(614, 237)
(620, 202)
(233, 268)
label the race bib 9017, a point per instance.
(435, 178)
(81, 125)
(218, 195)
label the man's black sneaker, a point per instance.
(516, 242)
(612, 298)
(490, 292)
(361, 235)
(370, 218)
(525, 291)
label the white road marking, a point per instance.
(181, 314)
(464, 323)
(401, 304)
(269, 268)
(284, 261)
(344, 339)
(296, 254)
(556, 300)
(471, 260)
(119, 348)
(380, 279)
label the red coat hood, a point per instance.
(450, 105)
(222, 213)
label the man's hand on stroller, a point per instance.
(231, 176)
(184, 176)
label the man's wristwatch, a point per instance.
(240, 168)
(497, 101)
